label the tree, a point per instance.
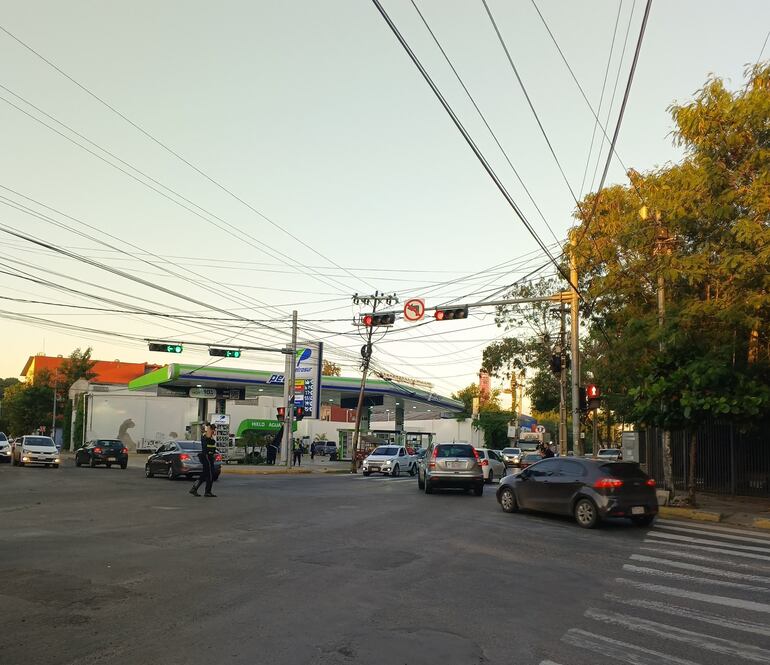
(330, 369)
(27, 407)
(466, 396)
(78, 365)
(703, 233)
(494, 422)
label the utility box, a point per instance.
(630, 447)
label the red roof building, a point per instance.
(106, 371)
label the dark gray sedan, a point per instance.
(178, 458)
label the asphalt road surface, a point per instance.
(106, 566)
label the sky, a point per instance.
(252, 158)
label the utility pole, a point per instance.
(575, 347)
(563, 380)
(288, 390)
(53, 418)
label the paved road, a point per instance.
(105, 566)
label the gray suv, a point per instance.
(450, 465)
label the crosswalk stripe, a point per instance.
(729, 536)
(705, 541)
(692, 614)
(700, 640)
(718, 550)
(705, 526)
(700, 557)
(623, 651)
(691, 578)
(726, 601)
(701, 569)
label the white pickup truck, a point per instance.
(390, 460)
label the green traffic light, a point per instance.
(174, 348)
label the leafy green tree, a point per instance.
(27, 407)
(466, 396)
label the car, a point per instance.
(102, 451)
(390, 460)
(179, 458)
(492, 464)
(528, 459)
(5, 448)
(325, 447)
(35, 449)
(420, 453)
(450, 465)
(589, 490)
(610, 454)
(511, 456)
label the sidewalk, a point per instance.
(318, 465)
(742, 511)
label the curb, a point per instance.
(761, 523)
(259, 472)
(693, 514)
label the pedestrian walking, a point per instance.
(547, 451)
(297, 454)
(207, 455)
(312, 451)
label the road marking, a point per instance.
(628, 653)
(745, 555)
(702, 569)
(704, 541)
(693, 614)
(694, 595)
(709, 527)
(690, 578)
(700, 640)
(700, 557)
(548, 662)
(683, 529)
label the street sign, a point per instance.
(208, 393)
(414, 309)
(220, 419)
(540, 429)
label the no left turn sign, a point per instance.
(414, 309)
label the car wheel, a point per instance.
(586, 514)
(124, 465)
(170, 473)
(508, 501)
(411, 470)
(147, 472)
(396, 471)
(420, 482)
(92, 463)
(643, 520)
(479, 490)
(77, 461)
(491, 477)
(428, 486)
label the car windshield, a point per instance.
(42, 441)
(189, 445)
(511, 451)
(386, 451)
(3, 437)
(624, 470)
(529, 446)
(532, 457)
(455, 451)
(110, 443)
(608, 451)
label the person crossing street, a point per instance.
(207, 457)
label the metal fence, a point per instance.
(728, 461)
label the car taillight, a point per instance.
(607, 483)
(184, 457)
(484, 462)
(218, 457)
(124, 451)
(650, 482)
(97, 450)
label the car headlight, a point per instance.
(56, 461)
(386, 463)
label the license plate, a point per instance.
(374, 468)
(454, 465)
(637, 510)
(112, 459)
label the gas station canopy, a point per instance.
(195, 381)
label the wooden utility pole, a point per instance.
(563, 380)
(577, 443)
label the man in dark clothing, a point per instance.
(207, 456)
(297, 454)
(547, 452)
(312, 451)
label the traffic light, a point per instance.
(226, 353)
(280, 413)
(444, 314)
(373, 320)
(299, 412)
(582, 402)
(555, 363)
(166, 348)
(593, 394)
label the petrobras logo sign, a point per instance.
(307, 371)
(305, 360)
(276, 379)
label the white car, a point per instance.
(610, 454)
(390, 460)
(492, 464)
(35, 450)
(5, 448)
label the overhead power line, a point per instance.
(172, 152)
(472, 144)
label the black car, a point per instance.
(588, 489)
(102, 451)
(179, 458)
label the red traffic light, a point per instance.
(281, 412)
(451, 313)
(592, 391)
(368, 320)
